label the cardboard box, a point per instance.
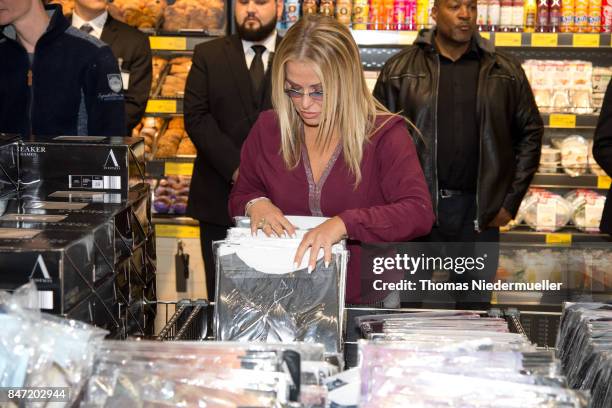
(90, 163)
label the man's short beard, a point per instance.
(258, 34)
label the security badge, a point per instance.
(114, 82)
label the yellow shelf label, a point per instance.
(161, 106)
(486, 35)
(544, 40)
(177, 231)
(604, 182)
(508, 39)
(562, 121)
(559, 238)
(586, 40)
(168, 43)
(178, 169)
(407, 37)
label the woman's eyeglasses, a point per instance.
(295, 94)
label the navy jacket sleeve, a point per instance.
(104, 99)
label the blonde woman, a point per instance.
(329, 149)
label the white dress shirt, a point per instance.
(97, 23)
(269, 43)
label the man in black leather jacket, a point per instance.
(480, 128)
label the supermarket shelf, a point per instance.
(561, 180)
(536, 40)
(176, 227)
(178, 166)
(183, 41)
(164, 106)
(567, 236)
(570, 121)
(165, 219)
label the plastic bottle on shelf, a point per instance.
(309, 7)
(422, 18)
(518, 15)
(410, 15)
(606, 16)
(360, 16)
(343, 11)
(291, 12)
(506, 20)
(326, 8)
(481, 20)
(388, 16)
(567, 16)
(554, 16)
(594, 16)
(531, 12)
(494, 15)
(377, 15)
(581, 16)
(542, 20)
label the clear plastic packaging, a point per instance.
(575, 155)
(587, 209)
(546, 211)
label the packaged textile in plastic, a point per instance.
(216, 374)
(587, 209)
(40, 350)
(262, 296)
(584, 346)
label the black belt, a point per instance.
(445, 193)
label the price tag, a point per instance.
(168, 43)
(407, 37)
(562, 121)
(544, 40)
(586, 40)
(161, 106)
(177, 231)
(508, 39)
(486, 35)
(178, 169)
(560, 238)
(604, 182)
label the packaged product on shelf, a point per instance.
(388, 14)
(518, 15)
(361, 14)
(481, 20)
(601, 79)
(208, 15)
(410, 16)
(326, 7)
(310, 7)
(606, 16)
(343, 11)
(567, 15)
(159, 64)
(593, 165)
(531, 12)
(581, 11)
(546, 211)
(171, 195)
(422, 14)
(574, 155)
(555, 16)
(174, 82)
(542, 19)
(494, 15)
(169, 142)
(587, 209)
(138, 13)
(506, 15)
(377, 15)
(594, 16)
(550, 160)
(581, 92)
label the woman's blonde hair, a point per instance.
(348, 106)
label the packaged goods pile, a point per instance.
(262, 296)
(206, 15)
(585, 349)
(475, 358)
(138, 13)
(171, 195)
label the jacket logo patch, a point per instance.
(114, 82)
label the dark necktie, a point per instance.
(86, 28)
(257, 67)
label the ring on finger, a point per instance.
(262, 223)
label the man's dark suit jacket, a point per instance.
(220, 109)
(602, 151)
(132, 46)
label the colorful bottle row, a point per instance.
(581, 16)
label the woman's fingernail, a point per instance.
(310, 269)
(326, 264)
(295, 265)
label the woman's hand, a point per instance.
(323, 236)
(269, 218)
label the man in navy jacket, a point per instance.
(56, 79)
